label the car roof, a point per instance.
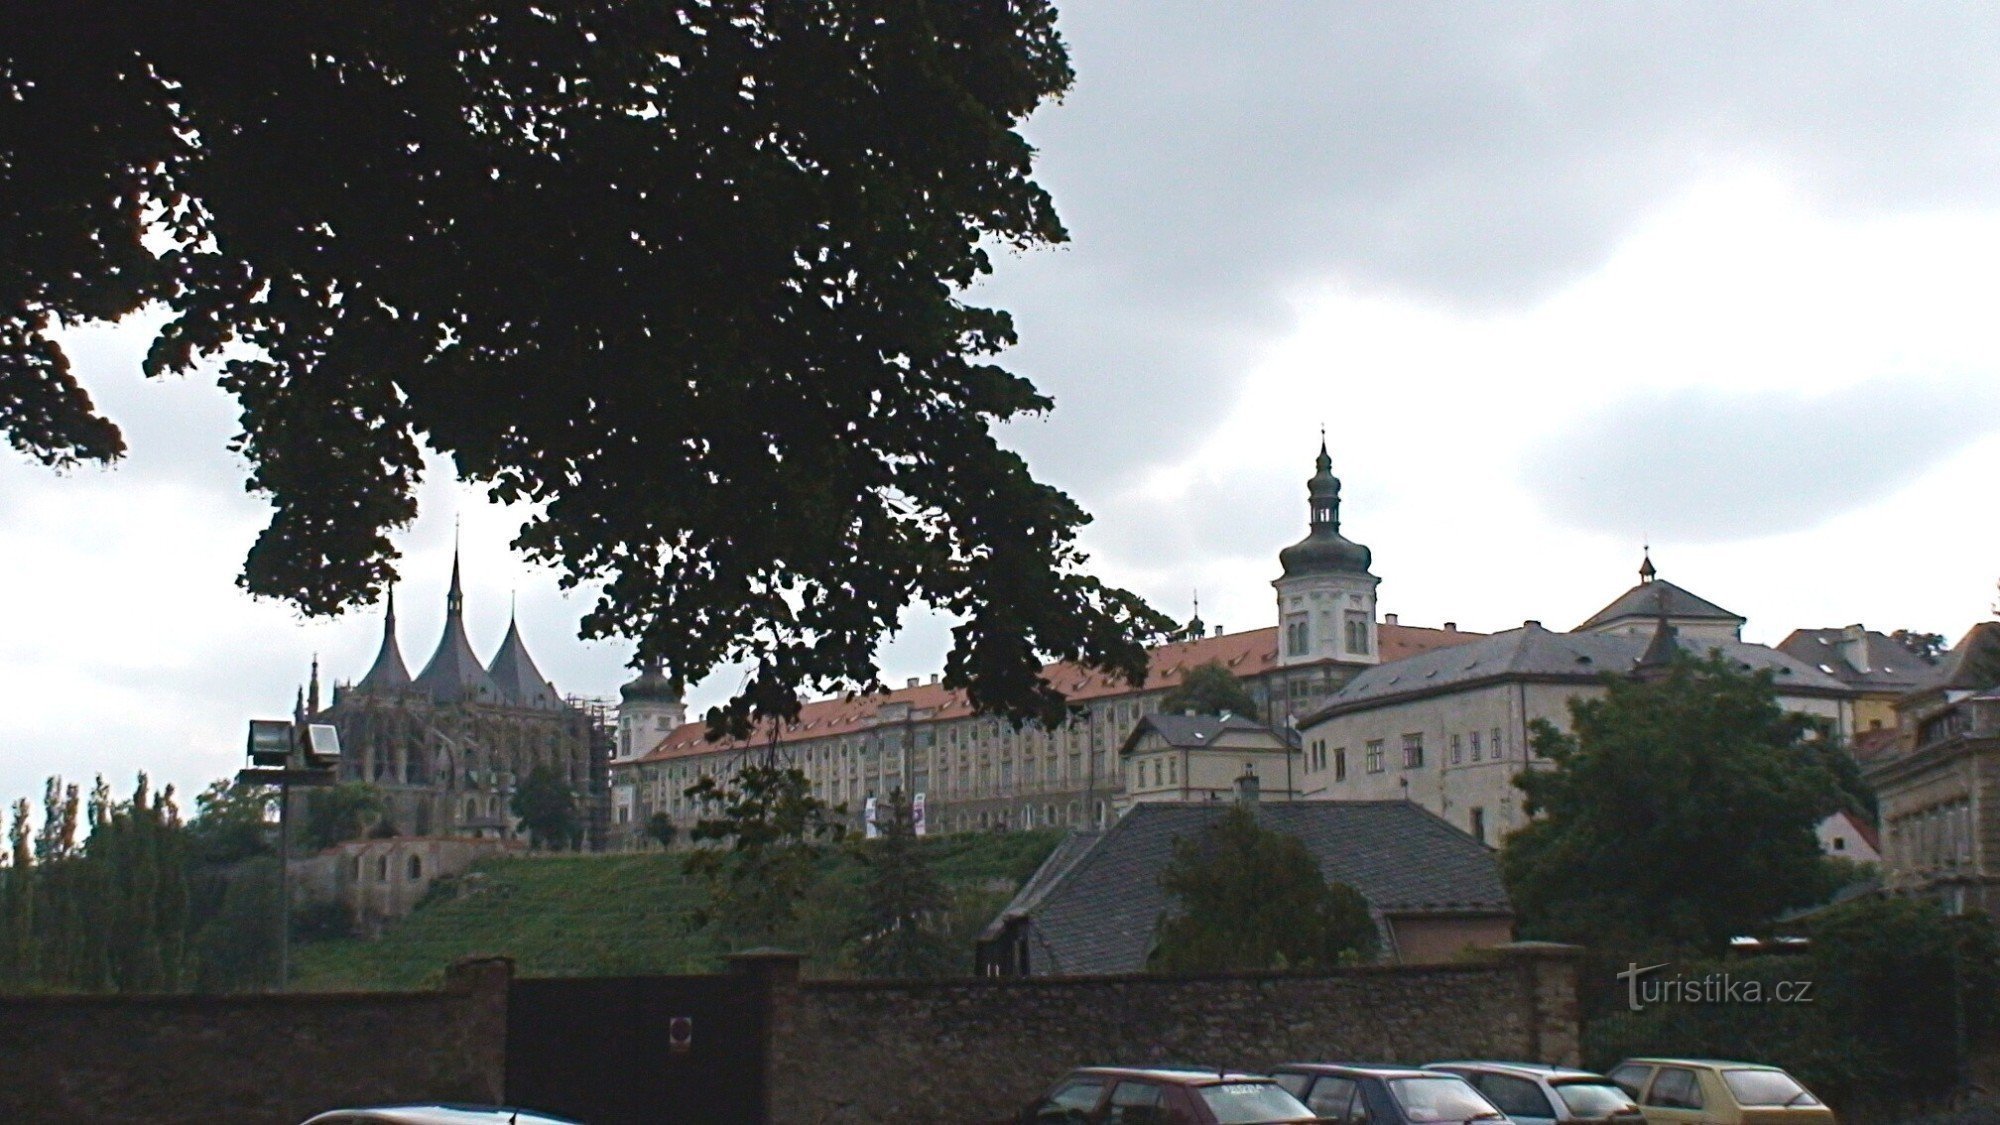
(1183, 1075)
(1360, 1070)
(1526, 1070)
(1716, 1063)
(443, 1113)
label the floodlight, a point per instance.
(270, 742)
(322, 746)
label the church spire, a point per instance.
(1647, 571)
(453, 672)
(312, 693)
(388, 673)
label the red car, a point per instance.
(1118, 1095)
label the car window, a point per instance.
(1593, 1098)
(1331, 1097)
(1675, 1088)
(1252, 1103)
(1766, 1087)
(1137, 1103)
(1631, 1078)
(1444, 1097)
(1071, 1099)
(1295, 1084)
(1515, 1097)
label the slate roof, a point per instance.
(1098, 913)
(1647, 600)
(1532, 652)
(1891, 665)
(388, 673)
(1196, 732)
(453, 672)
(513, 671)
(1973, 662)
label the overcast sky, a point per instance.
(1558, 279)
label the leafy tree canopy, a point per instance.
(766, 832)
(232, 822)
(1209, 689)
(660, 829)
(547, 808)
(1680, 811)
(1247, 897)
(339, 813)
(645, 265)
(903, 900)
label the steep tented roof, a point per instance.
(453, 672)
(1098, 914)
(1651, 599)
(1532, 652)
(388, 673)
(513, 671)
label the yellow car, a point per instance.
(1708, 1092)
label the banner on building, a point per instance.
(868, 829)
(917, 814)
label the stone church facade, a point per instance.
(448, 746)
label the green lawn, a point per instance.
(626, 915)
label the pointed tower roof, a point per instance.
(388, 673)
(513, 671)
(1324, 549)
(1665, 646)
(454, 673)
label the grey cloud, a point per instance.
(1703, 466)
(1472, 155)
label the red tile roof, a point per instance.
(1246, 654)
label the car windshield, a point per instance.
(1253, 1103)
(1440, 1099)
(1593, 1098)
(1766, 1087)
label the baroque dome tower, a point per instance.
(1326, 595)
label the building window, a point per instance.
(1413, 751)
(1173, 771)
(1497, 748)
(1475, 746)
(1457, 750)
(1479, 825)
(1375, 763)
(381, 868)
(1295, 637)
(1340, 764)
(1357, 632)
(416, 868)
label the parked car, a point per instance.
(1354, 1094)
(437, 1114)
(1113, 1095)
(1534, 1094)
(1709, 1092)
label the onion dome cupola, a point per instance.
(1324, 550)
(513, 671)
(388, 673)
(650, 707)
(454, 673)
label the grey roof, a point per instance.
(1973, 664)
(1097, 913)
(1534, 652)
(1892, 666)
(453, 672)
(388, 673)
(1649, 599)
(513, 671)
(1196, 732)
(1072, 849)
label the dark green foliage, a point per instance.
(771, 831)
(1679, 814)
(336, 814)
(903, 903)
(1246, 897)
(233, 822)
(645, 266)
(236, 946)
(1209, 689)
(547, 808)
(660, 829)
(1900, 993)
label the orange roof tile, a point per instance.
(1249, 653)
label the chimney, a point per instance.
(934, 677)
(1389, 619)
(1218, 630)
(1451, 626)
(1247, 786)
(1531, 623)
(1854, 647)
(913, 682)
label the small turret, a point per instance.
(650, 708)
(453, 672)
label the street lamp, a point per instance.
(285, 754)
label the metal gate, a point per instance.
(638, 1050)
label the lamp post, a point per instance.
(286, 754)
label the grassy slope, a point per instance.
(610, 915)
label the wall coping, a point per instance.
(1358, 972)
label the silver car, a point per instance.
(1534, 1094)
(437, 1114)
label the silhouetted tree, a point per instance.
(547, 808)
(1209, 689)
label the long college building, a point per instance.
(979, 772)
